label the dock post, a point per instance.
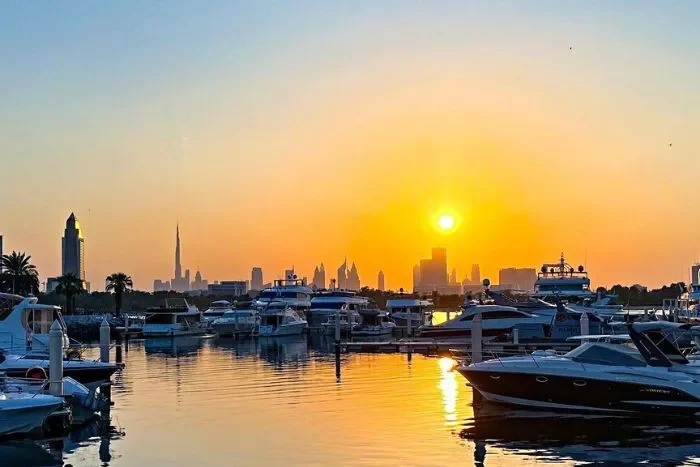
(408, 324)
(104, 341)
(126, 323)
(476, 338)
(337, 327)
(337, 344)
(118, 348)
(516, 336)
(585, 329)
(56, 359)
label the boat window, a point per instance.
(159, 318)
(503, 315)
(327, 306)
(599, 355)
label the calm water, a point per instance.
(196, 401)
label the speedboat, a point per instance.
(236, 321)
(172, 321)
(25, 324)
(327, 303)
(375, 323)
(292, 291)
(402, 309)
(85, 371)
(216, 310)
(279, 319)
(22, 412)
(594, 377)
(497, 320)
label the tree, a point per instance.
(19, 274)
(70, 286)
(119, 283)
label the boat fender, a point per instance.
(36, 372)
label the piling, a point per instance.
(56, 359)
(337, 344)
(337, 327)
(585, 324)
(516, 336)
(104, 341)
(408, 324)
(126, 323)
(476, 338)
(118, 349)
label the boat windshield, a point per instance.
(605, 355)
(327, 305)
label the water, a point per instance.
(212, 402)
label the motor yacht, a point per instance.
(216, 310)
(292, 292)
(171, 321)
(237, 321)
(327, 303)
(22, 412)
(348, 320)
(25, 324)
(563, 281)
(374, 323)
(88, 372)
(280, 319)
(402, 308)
(594, 377)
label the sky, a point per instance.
(284, 134)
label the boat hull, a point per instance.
(21, 416)
(230, 328)
(281, 330)
(557, 392)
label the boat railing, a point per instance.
(498, 355)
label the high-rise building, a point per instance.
(228, 288)
(476, 274)
(73, 249)
(353, 279)
(256, 278)
(380, 281)
(517, 278)
(453, 276)
(158, 286)
(433, 275)
(343, 275)
(179, 283)
(319, 279)
(199, 283)
(416, 276)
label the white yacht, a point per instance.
(375, 323)
(172, 321)
(237, 321)
(327, 303)
(292, 292)
(349, 320)
(401, 309)
(280, 319)
(216, 310)
(497, 320)
(563, 281)
(25, 324)
(24, 412)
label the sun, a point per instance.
(446, 222)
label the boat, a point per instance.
(325, 304)
(172, 321)
(216, 310)
(374, 323)
(25, 324)
(497, 320)
(237, 321)
(348, 320)
(22, 412)
(594, 377)
(280, 319)
(563, 281)
(87, 372)
(401, 309)
(292, 291)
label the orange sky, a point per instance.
(346, 136)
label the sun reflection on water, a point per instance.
(448, 386)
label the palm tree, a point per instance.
(71, 286)
(23, 274)
(119, 283)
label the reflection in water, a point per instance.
(551, 436)
(207, 401)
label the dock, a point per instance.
(453, 348)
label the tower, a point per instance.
(343, 275)
(178, 266)
(380, 281)
(73, 249)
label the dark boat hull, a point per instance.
(556, 392)
(82, 375)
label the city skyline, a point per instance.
(538, 128)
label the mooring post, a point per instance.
(118, 348)
(104, 341)
(476, 338)
(56, 359)
(408, 323)
(585, 324)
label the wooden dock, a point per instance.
(454, 348)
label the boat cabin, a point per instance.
(25, 324)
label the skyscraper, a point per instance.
(353, 279)
(453, 276)
(179, 283)
(256, 278)
(73, 249)
(416, 276)
(380, 281)
(319, 279)
(343, 275)
(476, 274)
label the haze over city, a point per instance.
(295, 134)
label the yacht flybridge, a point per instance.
(595, 377)
(563, 280)
(292, 291)
(24, 324)
(326, 304)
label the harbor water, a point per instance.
(213, 402)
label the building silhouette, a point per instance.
(256, 278)
(380, 281)
(343, 275)
(160, 286)
(319, 279)
(517, 278)
(353, 279)
(199, 283)
(73, 249)
(476, 275)
(179, 283)
(416, 276)
(432, 275)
